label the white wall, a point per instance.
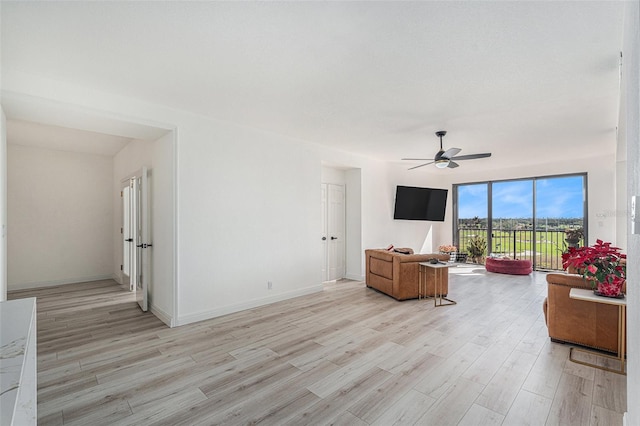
(630, 131)
(421, 236)
(128, 161)
(3, 206)
(620, 212)
(378, 194)
(332, 175)
(161, 292)
(248, 215)
(353, 224)
(59, 216)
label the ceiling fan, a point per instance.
(443, 159)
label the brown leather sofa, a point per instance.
(590, 324)
(398, 275)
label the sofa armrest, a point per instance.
(576, 321)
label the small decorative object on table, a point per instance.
(451, 250)
(602, 265)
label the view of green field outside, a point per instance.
(516, 231)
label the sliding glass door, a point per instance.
(522, 219)
(472, 219)
(512, 218)
(560, 213)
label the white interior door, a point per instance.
(136, 256)
(134, 231)
(323, 234)
(335, 232)
(127, 238)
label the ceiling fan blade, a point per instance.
(452, 165)
(451, 152)
(425, 164)
(418, 159)
(473, 156)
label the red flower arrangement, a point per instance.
(601, 264)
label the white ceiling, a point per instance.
(528, 81)
(63, 138)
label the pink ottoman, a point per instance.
(508, 266)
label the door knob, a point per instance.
(334, 238)
(324, 238)
(129, 240)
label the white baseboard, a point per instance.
(38, 284)
(354, 277)
(162, 316)
(249, 304)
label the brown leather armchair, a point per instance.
(590, 324)
(398, 275)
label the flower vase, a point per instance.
(452, 255)
(610, 289)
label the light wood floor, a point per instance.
(346, 356)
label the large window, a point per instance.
(523, 219)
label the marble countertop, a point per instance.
(587, 295)
(439, 265)
(17, 322)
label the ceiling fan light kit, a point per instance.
(442, 163)
(443, 159)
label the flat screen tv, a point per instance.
(414, 203)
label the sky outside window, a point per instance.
(513, 199)
(558, 197)
(472, 201)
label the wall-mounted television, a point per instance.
(414, 203)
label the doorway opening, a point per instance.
(341, 213)
(333, 232)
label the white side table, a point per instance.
(439, 270)
(588, 296)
